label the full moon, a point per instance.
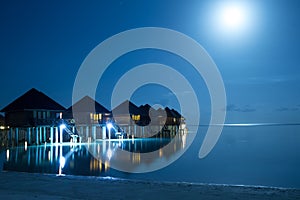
(231, 19)
(233, 16)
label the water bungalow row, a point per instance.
(35, 118)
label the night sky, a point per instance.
(43, 44)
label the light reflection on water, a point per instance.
(244, 155)
(86, 158)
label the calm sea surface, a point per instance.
(266, 155)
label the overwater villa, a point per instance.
(35, 118)
(2, 122)
(90, 119)
(31, 117)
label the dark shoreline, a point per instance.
(48, 186)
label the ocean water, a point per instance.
(260, 155)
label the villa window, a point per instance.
(95, 116)
(136, 117)
(34, 114)
(56, 115)
(39, 114)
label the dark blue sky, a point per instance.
(44, 43)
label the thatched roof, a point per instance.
(87, 104)
(33, 100)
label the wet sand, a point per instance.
(15, 185)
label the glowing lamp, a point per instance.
(109, 125)
(62, 126)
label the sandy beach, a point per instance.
(16, 185)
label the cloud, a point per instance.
(265, 79)
(288, 109)
(234, 108)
